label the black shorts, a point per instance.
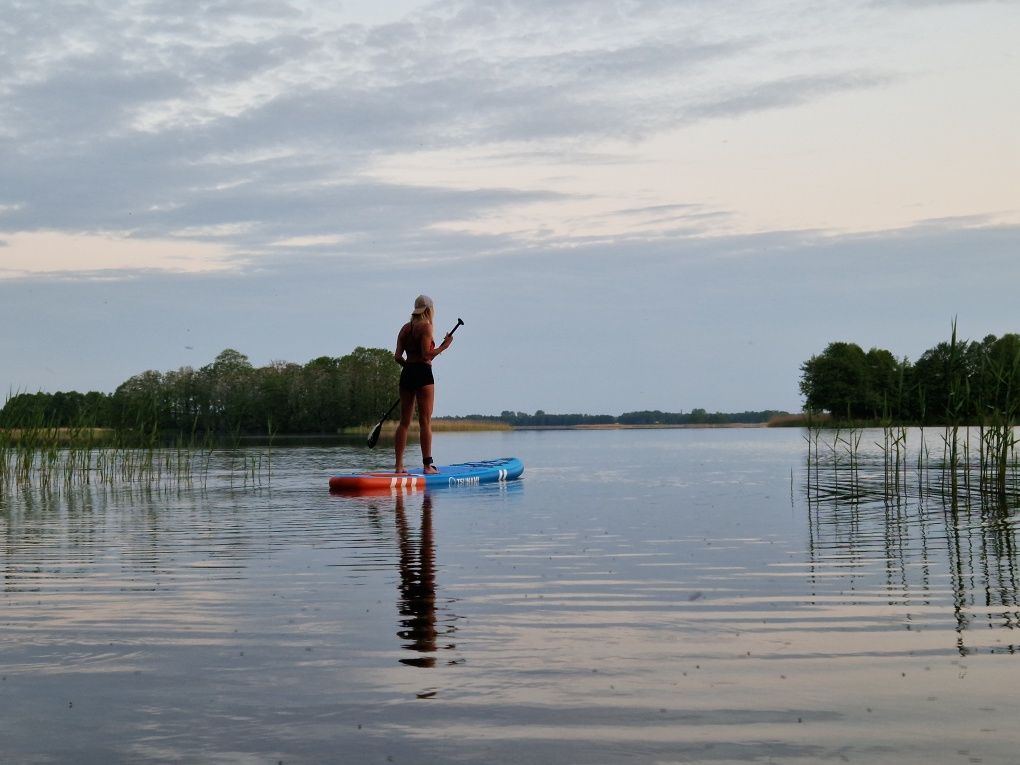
(417, 375)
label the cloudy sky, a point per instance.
(633, 204)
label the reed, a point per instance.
(37, 456)
(971, 392)
(442, 425)
(986, 467)
(439, 425)
(954, 407)
(1001, 439)
(923, 459)
(894, 449)
(973, 461)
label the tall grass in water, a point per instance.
(894, 443)
(958, 390)
(998, 435)
(841, 454)
(37, 455)
(894, 457)
(977, 407)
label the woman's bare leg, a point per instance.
(407, 398)
(426, 397)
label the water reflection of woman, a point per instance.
(417, 604)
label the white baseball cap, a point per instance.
(421, 304)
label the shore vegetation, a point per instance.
(968, 391)
(231, 398)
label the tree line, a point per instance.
(955, 382)
(228, 396)
(541, 419)
(326, 395)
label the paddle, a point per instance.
(373, 437)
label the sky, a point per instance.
(632, 204)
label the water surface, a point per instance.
(640, 596)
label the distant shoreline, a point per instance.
(455, 425)
(659, 426)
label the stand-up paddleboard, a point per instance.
(462, 474)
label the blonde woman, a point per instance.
(416, 349)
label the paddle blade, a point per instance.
(373, 437)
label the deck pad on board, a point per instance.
(461, 474)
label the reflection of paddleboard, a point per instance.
(463, 474)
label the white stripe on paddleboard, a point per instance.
(412, 482)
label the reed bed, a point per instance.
(51, 459)
(978, 432)
(439, 425)
(973, 464)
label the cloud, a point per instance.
(720, 322)
(259, 122)
(105, 257)
(85, 97)
(782, 93)
(256, 133)
(929, 3)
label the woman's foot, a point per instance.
(399, 469)
(430, 469)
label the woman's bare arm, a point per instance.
(399, 353)
(433, 352)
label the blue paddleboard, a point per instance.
(461, 474)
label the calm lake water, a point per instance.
(665, 596)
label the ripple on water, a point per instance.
(681, 602)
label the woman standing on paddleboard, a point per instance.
(415, 351)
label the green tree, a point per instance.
(883, 386)
(836, 381)
(140, 402)
(232, 395)
(946, 381)
(24, 410)
(324, 395)
(1000, 384)
(847, 382)
(371, 379)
